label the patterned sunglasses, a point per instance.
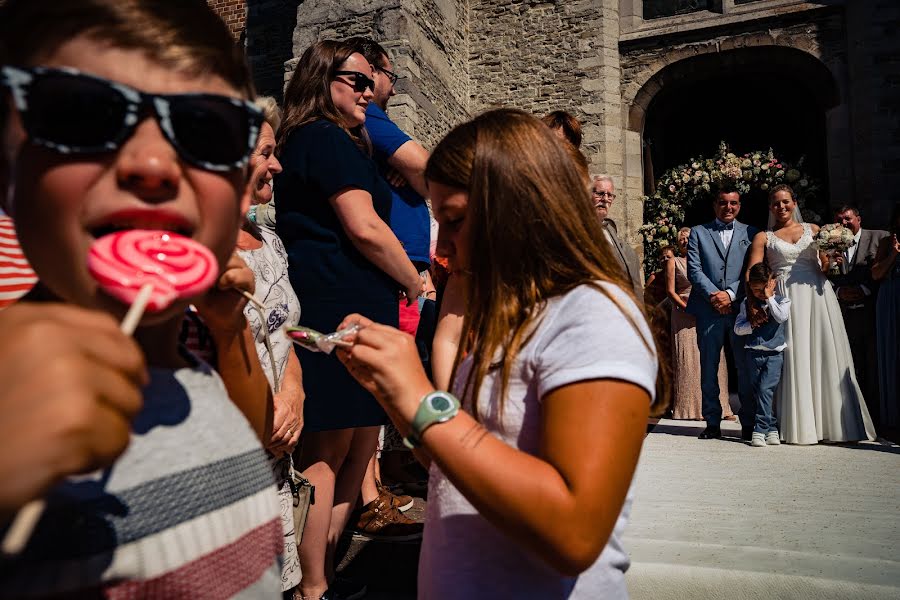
(74, 113)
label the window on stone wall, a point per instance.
(655, 9)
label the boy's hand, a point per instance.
(222, 308)
(770, 287)
(755, 314)
(71, 386)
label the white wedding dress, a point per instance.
(818, 397)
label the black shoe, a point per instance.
(344, 588)
(747, 433)
(711, 433)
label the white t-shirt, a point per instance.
(582, 335)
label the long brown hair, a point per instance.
(308, 94)
(532, 219)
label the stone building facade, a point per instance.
(617, 71)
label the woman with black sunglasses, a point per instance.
(333, 213)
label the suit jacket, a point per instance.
(712, 268)
(860, 270)
(628, 260)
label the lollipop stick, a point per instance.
(134, 314)
(253, 299)
(23, 525)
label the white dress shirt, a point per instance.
(851, 251)
(849, 254)
(725, 235)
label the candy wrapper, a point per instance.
(316, 341)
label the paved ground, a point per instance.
(718, 519)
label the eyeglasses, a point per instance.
(609, 195)
(74, 113)
(393, 77)
(360, 81)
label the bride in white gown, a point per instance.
(818, 397)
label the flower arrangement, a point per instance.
(680, 187)
(834, 239)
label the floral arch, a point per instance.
(682, 186)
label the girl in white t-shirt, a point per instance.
(529, 482)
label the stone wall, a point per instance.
(269, 30)
(459, 57)
(856, 43)
(541, 56)
(873, 41)
(233, 12)
(427, 43)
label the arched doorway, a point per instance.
(752, 98)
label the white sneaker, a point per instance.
(773, 439)
(758, 440)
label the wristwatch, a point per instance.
(436, 407)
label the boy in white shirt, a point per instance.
(764, 346)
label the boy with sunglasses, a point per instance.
(134, 114)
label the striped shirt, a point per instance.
(188, 511)
(16, 276)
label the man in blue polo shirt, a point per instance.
(400, 159)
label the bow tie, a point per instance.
(723, 226)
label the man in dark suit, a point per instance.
(604, 192)
(715, 266)
(856, 292)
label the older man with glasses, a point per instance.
(604, 193)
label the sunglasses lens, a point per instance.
(75, 112)
(210, 130)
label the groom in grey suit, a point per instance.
(715, 266)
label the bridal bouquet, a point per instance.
(834, 239)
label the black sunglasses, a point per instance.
(360, 81)
(393, 77)
(74, 113)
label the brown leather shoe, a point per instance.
(381, 521)
(401, 502)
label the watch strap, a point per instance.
(435, 407)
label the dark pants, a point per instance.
(860, 325)
(765, 372)
(711, 334)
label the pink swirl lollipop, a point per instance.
(176, 266)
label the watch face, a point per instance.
(440, 403)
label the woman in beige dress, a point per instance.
(687, 398)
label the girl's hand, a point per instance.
(385, 361)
